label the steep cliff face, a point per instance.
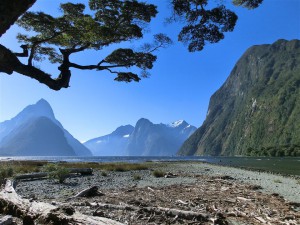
(256, 111)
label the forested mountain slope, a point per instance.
(257, 110)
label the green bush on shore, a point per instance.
(57, 172)
(5, 172)
(158, 173)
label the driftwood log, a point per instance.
(89, 192)
(82, 171)
(32, 212)
(183, 214)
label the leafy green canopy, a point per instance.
(206, 25)
(109, 22)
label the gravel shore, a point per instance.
(287, 187)
(190, 193)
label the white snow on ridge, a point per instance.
(126, 135)
(176, 123)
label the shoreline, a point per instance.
(287, 186)
(232, 195)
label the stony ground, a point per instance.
(194, 193)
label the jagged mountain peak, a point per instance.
(40, 108)
(143, 121)
(178, 123)
(43, 102)
(123, 130)
(145, 139)
(149, 139)
(33, 117)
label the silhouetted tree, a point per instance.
(110, 22)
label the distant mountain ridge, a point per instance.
(145, 139)
(36, 132)
(113, 144)
(256, 111)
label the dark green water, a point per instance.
(284, 165)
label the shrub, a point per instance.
(158, 173)
(277, 181)
(5, 172)
(137, 177)
(57, 172)
(103, 173)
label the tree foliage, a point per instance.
(202, 25)
(109, 22)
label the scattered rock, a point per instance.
(255, 187)
(6, 220)
(170, 175)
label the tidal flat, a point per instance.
(185, 193)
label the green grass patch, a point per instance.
(5, 172)
(122, 167)
(21, 167)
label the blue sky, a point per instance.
(180, 85)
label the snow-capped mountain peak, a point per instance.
(177, 123)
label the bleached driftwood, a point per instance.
(33, 212)
(31, 176)
(89, 192)
(168, 211)
(82, 171)
(41, 175)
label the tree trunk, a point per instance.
(43, 213)
(10, 11)
(9, 63)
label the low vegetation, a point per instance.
(122, 167)
(277, 181)
(5, 172)
(7, 169)
(104, 174)
(158, 173)
(137, 177)
(56, 172)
